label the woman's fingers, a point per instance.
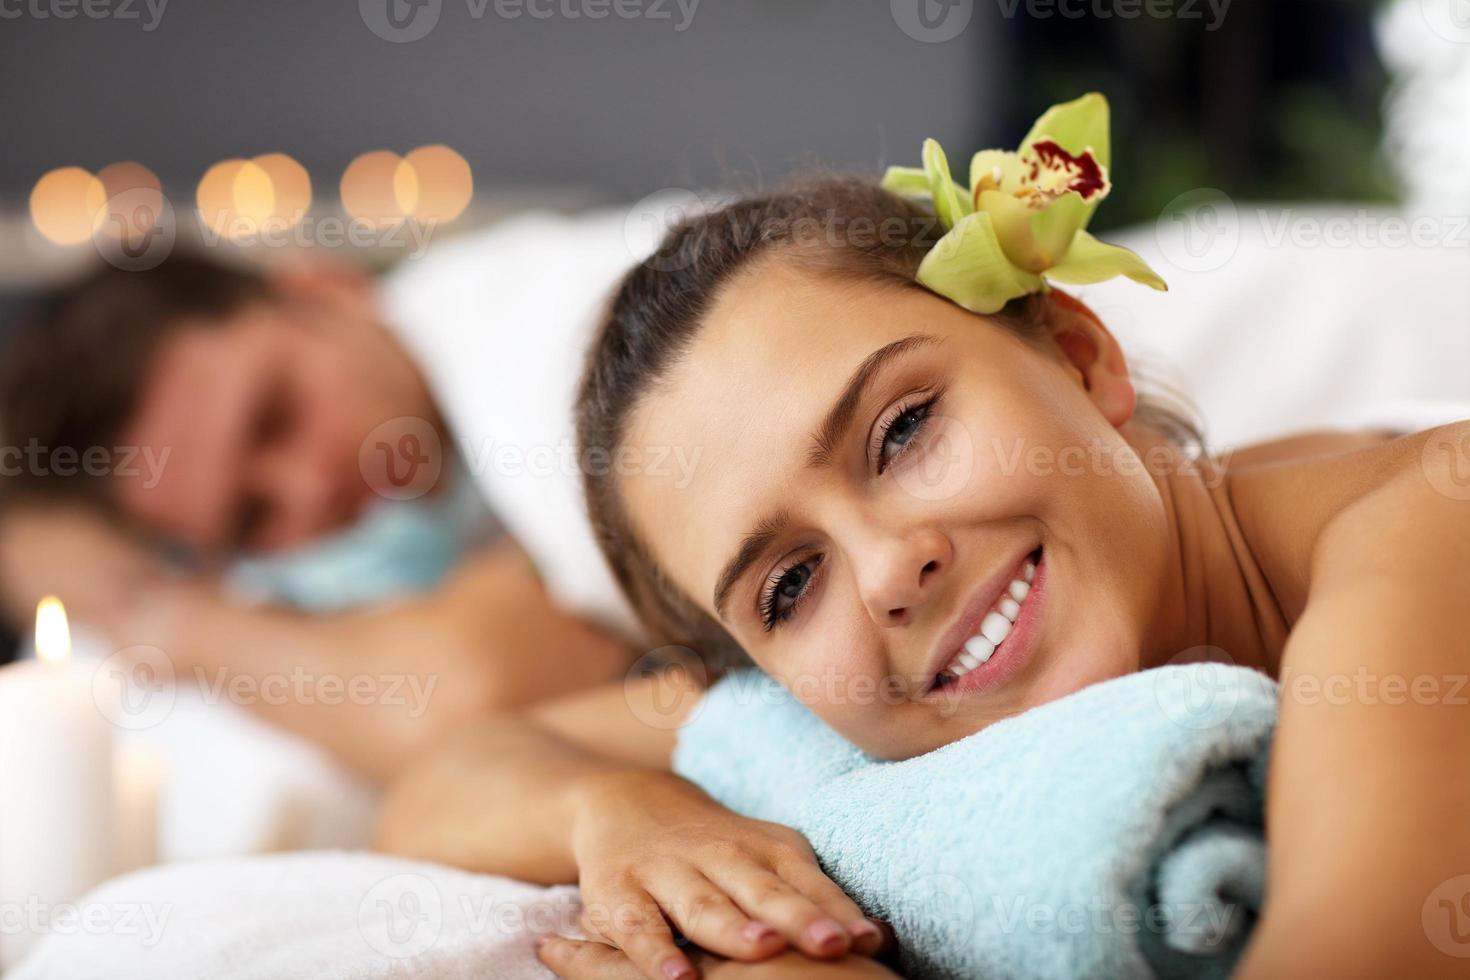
(576, 960)
(707, 916)
(767, 897)
(807, 878)
(631, 920)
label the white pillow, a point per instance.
(499, 323)
(1286, 319)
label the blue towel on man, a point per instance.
(1113, 833)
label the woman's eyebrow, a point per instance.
(827, 436)
(834, 426)
(751, 547)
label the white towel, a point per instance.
(324, 915)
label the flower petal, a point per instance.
(1056, 224)
(908, 181)
(995, 170)
(1076, 126)
(1089, 261)
(969, 267)
(950, 204)
(1012, 221)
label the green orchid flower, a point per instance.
(1022, 222)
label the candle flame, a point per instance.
(53, 636)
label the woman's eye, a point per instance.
(898, 432)
(784, 591)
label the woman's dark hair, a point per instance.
(838, 227)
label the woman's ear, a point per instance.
(1092, 354)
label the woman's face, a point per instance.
(885, 486)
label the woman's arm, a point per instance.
(532, 797)
(574, 960)
(466, 802)
(1369, 800)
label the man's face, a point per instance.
(261, 417)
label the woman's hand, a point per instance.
(652, 849)
(574, 960)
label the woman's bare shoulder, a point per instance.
(1300, 446)
(1287, 492)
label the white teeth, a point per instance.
(980, 648)
(995, 627)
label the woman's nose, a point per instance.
(898, 574)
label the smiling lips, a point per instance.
(994, 628)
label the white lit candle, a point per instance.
(55, 785)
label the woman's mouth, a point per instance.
(988, 658)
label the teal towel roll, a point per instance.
(1113, 833)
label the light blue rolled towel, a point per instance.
(1113, 833)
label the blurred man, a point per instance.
(209, 412)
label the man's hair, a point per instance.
(72, 369)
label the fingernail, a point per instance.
(543, 939)
(676, 968)
(757, 931)
(825, 933)
(863, 927)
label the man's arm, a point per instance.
(488, 640)
(372, 687)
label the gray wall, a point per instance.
(750, 88)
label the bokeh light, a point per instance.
(68, 205)
(373, 188)
(432, 184)
(444, 183)
(242, 198)
(290, 183)
(134, 201)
